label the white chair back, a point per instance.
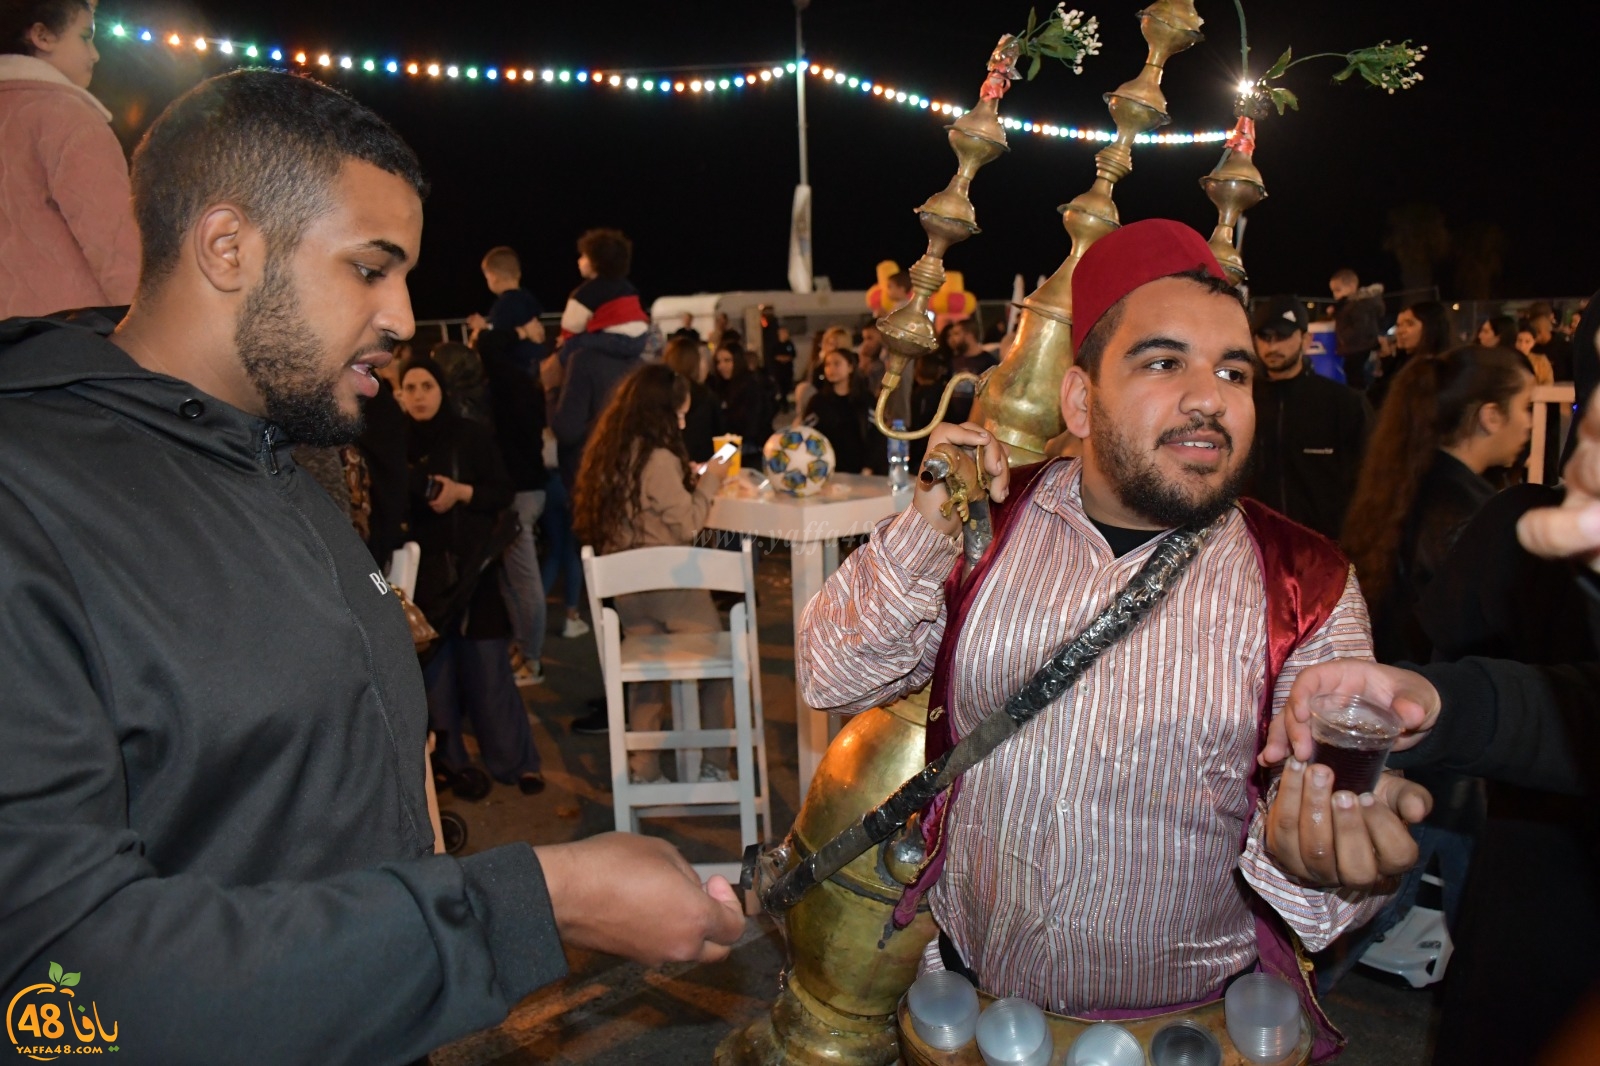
(684, 660)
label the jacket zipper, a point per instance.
(266, 444)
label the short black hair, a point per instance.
(1099, 335)
(17, 17)
(610, 252)
(268, 141)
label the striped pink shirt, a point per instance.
(1094, 861)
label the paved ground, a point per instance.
(608, 1012)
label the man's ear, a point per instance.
(1075, 401)
(228, 249)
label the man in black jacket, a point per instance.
(1310, 432)
(212, 812)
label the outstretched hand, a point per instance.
(1338, 839)
(1409, 695)
(636, 897)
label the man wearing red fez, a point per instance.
(1124, 855)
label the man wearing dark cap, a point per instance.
(1122, 856)
(1310, 432)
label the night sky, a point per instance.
(1493, 137)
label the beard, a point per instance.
(1143, 489)
(287, 363)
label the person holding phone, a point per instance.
(636, 489)
(460, 516)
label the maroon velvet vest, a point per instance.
(1304, 576)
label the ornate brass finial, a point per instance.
(1234, 186)
(1019, 401)
(948, 217)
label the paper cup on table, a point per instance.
(738, 443)
(944, 1009)
(1263, 1015)
(1013, 1032)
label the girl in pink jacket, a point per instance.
(67, 235)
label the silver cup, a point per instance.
(1014, 1032)
(1105, 1044)
(1263, 1013)
(944, 1009)
(1184, 1044)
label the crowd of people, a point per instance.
(217, 710)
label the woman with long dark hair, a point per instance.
(1447, 421)
(1421, 331)
(704, 420)
(636, 489)
(460, 493)
(840, 411)
(744, 398)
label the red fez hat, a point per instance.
(1127, 258)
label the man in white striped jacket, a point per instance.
(1113, 860)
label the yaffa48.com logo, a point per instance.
(45, 1021)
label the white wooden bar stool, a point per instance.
(684, 660)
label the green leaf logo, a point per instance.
(55, 972)
(70, 979)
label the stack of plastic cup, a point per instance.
(944, 1009)
(1263, 1015)
(1184, 1044)
(1013, 1032)
(1105, 1044)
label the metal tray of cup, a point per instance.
(1064, 1030)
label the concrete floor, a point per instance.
(608, 1012)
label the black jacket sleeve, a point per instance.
(1534, 726)
(484, 470)
(370, 966)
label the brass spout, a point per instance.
(880, 412)
(1020, 403)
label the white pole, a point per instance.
(800, 88)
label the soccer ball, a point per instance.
(797, 460)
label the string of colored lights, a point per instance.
(691, 80)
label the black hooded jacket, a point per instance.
(211, 794)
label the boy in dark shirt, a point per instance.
(515, 313)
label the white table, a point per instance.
(848, 504)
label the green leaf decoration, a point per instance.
(1033, 20)
(70, 979)
(55, 972)
(1283, 98)
(1033, 67)
(1344, 75)
(1280, 66)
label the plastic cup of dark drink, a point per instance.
(1353, 738)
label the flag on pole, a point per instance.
(800, 240)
